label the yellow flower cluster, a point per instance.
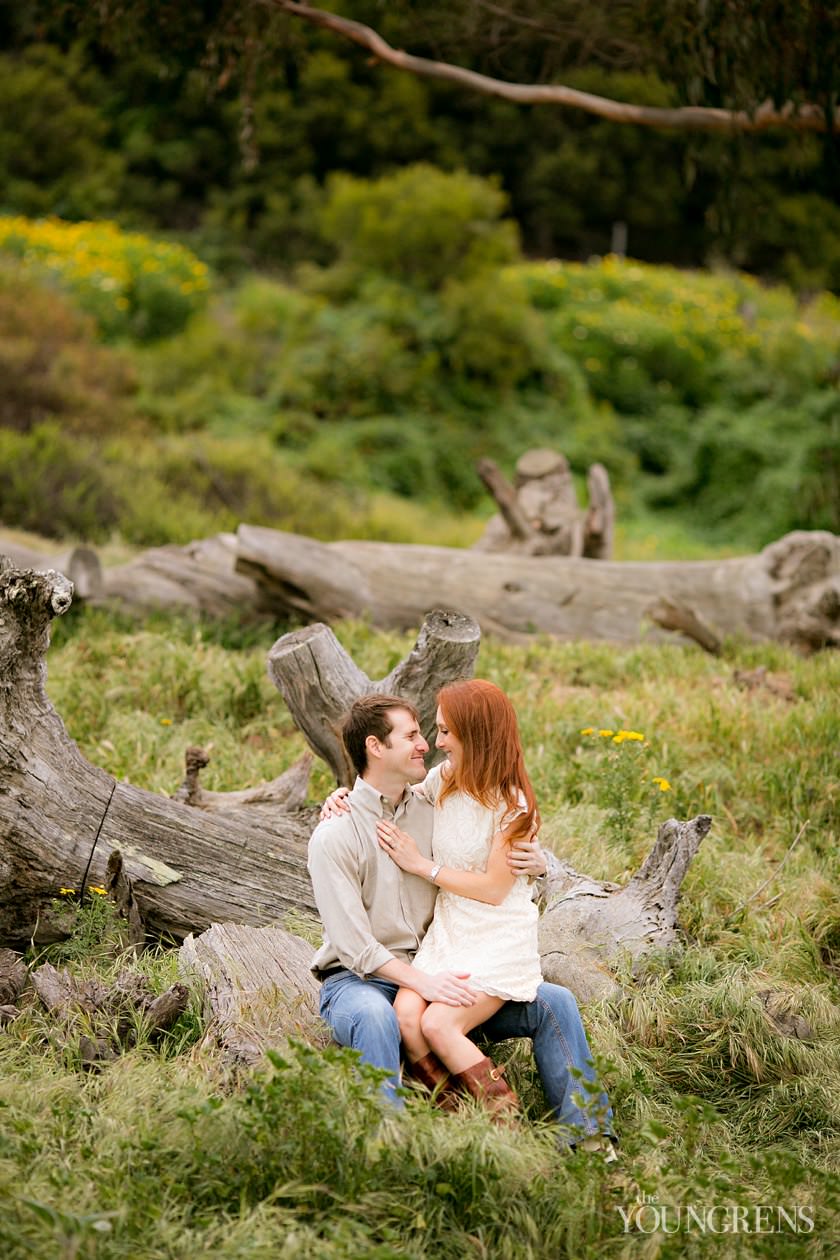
(114, 275)
(617, 737)
(662, 784)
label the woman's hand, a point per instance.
(336, 804)
(402, 849)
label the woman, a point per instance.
(485, 920)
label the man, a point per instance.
(375, 916)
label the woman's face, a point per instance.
(447, 742)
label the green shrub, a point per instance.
(420, 225)
(130, 284)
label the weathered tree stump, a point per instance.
(319, 681)
(539, 513)
(103, 1020)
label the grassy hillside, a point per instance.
(162, 1154)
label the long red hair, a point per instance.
(492, 769)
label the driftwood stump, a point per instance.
(319, 681)
(539, 514)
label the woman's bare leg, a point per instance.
(410, 1008)
(444, 1030)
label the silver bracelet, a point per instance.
(434, 872)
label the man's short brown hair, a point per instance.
(370, 715)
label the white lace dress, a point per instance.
(497, 945)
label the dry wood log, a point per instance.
(258, 988)
(589, 927)
(319, 681)
(200, 577)
(790, 591)
(80, 564)
(102, 1021)
(61, 817)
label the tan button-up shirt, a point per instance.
(371, 910)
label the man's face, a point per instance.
(403, 752)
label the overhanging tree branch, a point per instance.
(805, 117)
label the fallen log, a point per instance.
(257, 986)
(199, 577)
(61, 817)
(80, 564)
(790, 591)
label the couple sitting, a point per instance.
(421, 881)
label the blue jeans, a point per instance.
(361, 1016)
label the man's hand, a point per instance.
(447, 987)
(527, 858)
(336, 804)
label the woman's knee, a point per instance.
(409, 1016)
(438, 1024)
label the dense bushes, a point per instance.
(130, 284)
(703, 394)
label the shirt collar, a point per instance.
(368, 797)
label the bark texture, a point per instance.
(790, 591)
(258, 989)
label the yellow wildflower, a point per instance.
(95, 888)
(662, 784)
(166, 721)
(606, 734)
(588, 730)
(67, 892)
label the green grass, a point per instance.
(163, 1154)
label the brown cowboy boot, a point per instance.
(429, 1071)
(485, 1081)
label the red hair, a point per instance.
(492, 767)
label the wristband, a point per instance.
(434, 872)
